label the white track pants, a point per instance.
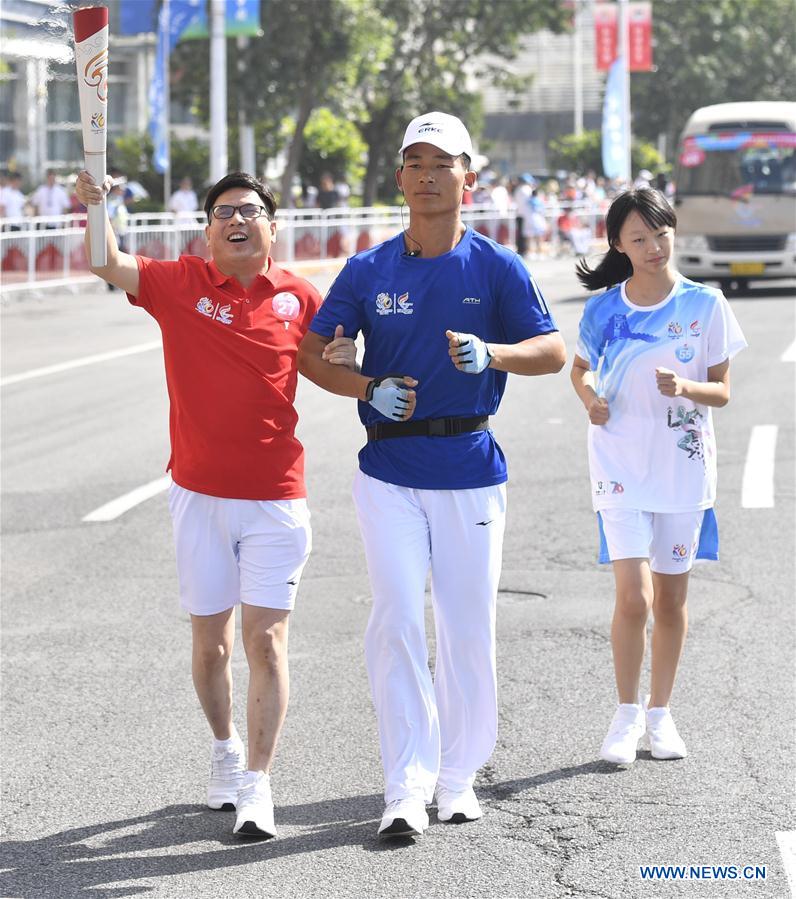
(438, 731)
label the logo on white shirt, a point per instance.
(675, 330)
(685, 353)
(215, 311)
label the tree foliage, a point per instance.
(713, 51)
(583, 153)
(376, 62)
(331, 144)
(132, 154)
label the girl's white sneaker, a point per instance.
(665, 742)
(621, 741)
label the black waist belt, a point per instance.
(427, 427)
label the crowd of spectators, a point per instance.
(554, 215)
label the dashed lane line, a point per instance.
(122, 504)
(757, 491)
(79, 363)
(790, 354)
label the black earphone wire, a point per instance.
(406, 232)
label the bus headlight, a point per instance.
(790, 243)
(691, 243)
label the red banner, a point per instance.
(605, 32)
(639, 36)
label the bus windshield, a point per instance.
(738, 164)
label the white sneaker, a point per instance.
(255, 807)
(226, 771)
(404, 818)
(665, 742)
(627, 728)
(457, 806)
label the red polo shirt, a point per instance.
(230, 357)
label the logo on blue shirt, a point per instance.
(387, 304)
(617, 328)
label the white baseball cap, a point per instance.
(440, 130)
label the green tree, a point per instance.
(293, 68)
(420, 61)
(713, 51)
(581, 153)
(331, 144)
(132, 154)
(376, 62)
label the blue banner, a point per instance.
(175, 16)
(136, 16)
(242, 19)
(613, 131)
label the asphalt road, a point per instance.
(105, 747)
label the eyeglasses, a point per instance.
(247, 211)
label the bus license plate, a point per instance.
(747, 268)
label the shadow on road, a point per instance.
(507, 788)
(76, 862)
(90, 860)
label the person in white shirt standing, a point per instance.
(184, 201)
(653, 358)
(12, 202)
(50, 198)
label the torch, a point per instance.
(91, 59)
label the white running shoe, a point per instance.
(226, 771)
(457, 806)
(255, 807)
(404, 818)
(665, 742)
(627, 728)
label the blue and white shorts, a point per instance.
(670, 540)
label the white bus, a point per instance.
(735, 193)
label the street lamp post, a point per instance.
(219, 159)
(624, 55)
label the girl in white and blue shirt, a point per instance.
(653, 358)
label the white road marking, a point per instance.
(787, 846)
(790, 354)
(555, 421)
(757, 491)
(122, 504)
(79, 363)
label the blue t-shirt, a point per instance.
(403, 305)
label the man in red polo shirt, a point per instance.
(231, 329)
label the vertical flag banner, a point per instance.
(613, 130)
(639, 38)
(241, 19)
(605, 35)
(91, 61)
(136, 16)
(175, 16)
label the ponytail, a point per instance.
(612, 269)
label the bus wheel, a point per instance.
(726, 285)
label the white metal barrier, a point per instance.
(50, 250)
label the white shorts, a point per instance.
(668, 539)
(232, 551)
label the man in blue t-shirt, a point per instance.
(445, 314)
